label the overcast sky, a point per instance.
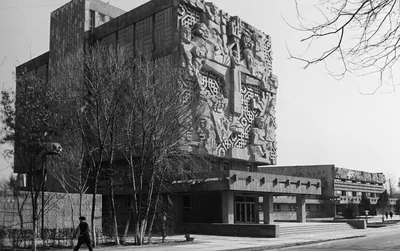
(320, 120)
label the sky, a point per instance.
(321, 120)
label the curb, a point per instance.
(278, 246)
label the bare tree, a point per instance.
(30, 125)
(362, 34)
(391, 185)
(157, 124)
(94, 80)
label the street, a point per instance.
(386, 238)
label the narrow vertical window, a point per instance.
(92, 20)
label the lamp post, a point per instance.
(50, 149)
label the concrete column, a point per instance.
(301, 208)
(268, 208)
(228, 210)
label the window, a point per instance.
(250, 168)
(343, 193)
(354, 194)
(277, 207)
(292, 207)
(187, 202)
(102, 17)
(226, 166)
(92, 18)
(308, 207)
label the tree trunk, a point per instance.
(111, 177)
(137, 233)
(93, 221)
(80, 203)
(128, 222)
(114, 214)
(143, 227)
(155, 208)
(34, 222)
(34, 234)
(153, 217)
(140, 231)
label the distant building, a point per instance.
(232, 63)
(340, 187)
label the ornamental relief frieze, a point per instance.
(231, 65)
(343, 173)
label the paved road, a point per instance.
(387, 239)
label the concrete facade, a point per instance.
(230, 62)
(340, 186)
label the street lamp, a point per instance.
(53, 148)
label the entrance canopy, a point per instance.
(235, 180)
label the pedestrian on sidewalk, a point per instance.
(386, 214)
(391, 215)
(83, 234)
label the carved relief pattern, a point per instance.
(231, 62)
(343, 173)
(188, 16)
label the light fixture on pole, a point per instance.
(53, 148)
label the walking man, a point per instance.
(83, 234)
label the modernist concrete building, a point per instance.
(230, 61)
(340, 187)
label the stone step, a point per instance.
(306, 228)
(317, 227)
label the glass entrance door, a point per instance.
(245, 209)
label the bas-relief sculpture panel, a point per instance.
(342, 173)
(231, 64)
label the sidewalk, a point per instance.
(214, 243)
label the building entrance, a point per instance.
(245, 209)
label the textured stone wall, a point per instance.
(61, 210)
(231, 65)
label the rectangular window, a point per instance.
(343, 193)
(250, 168)
(102, 17)
(354, 194)
(308, 207)
(187, 202)
(92, 19)
(277, 207)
